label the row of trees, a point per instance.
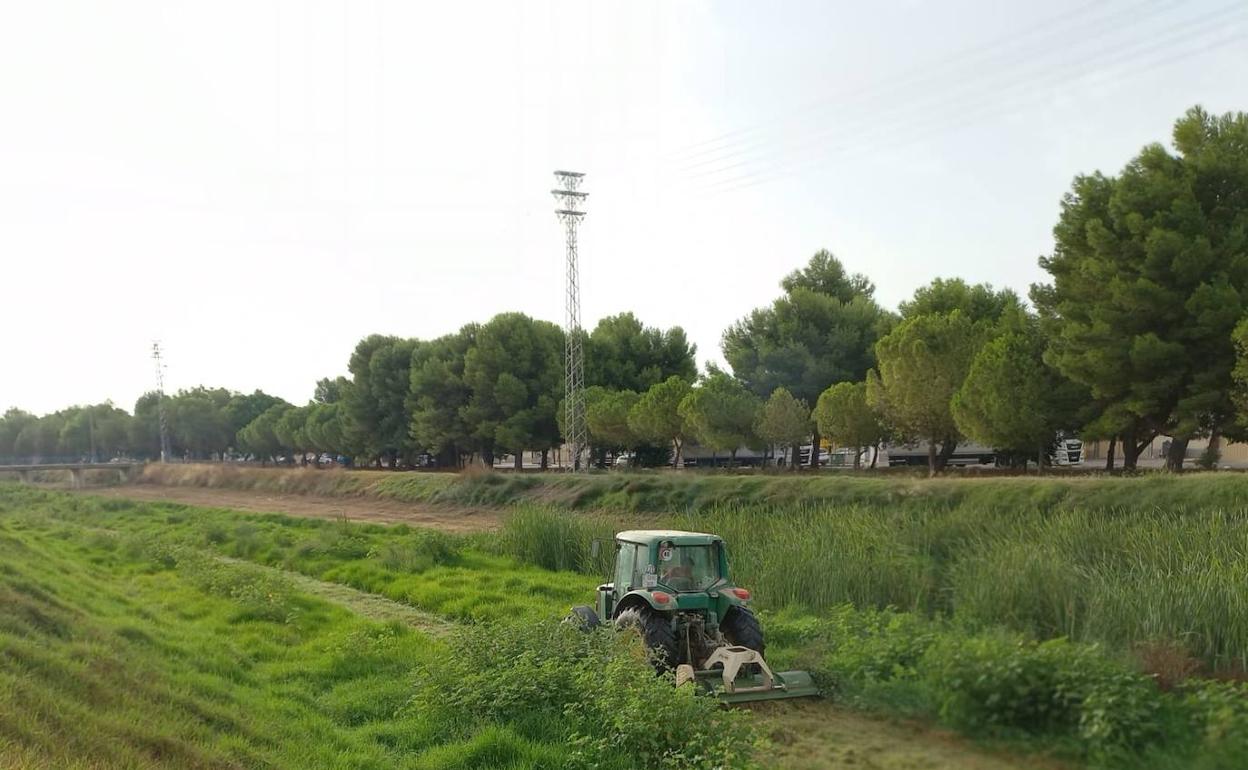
(1138, 332)
(203, 422)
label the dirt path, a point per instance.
(353, 508)
(819, 735)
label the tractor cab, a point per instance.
(668, 570)
(674, 588)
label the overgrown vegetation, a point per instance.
(1115, 577)
(120, 648)
(1122, 561)
(527, 693)
(1075, 699)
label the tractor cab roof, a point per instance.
(674, 536)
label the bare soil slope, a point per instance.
(447, 519)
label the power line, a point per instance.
(976, 104)
(1033, 68)
(935, 71)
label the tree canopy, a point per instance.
(845, 417)
(720, 412)
(1012, 400)
(922, 363)
(623, 354)
(821, 331)
(1148, 276)
(656, 417)
(783, 420)
(515, 372)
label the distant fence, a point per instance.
(76, 471)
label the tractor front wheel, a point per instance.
(741, 628)
(656, 633)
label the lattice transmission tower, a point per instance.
(571, 202)
(160, 402)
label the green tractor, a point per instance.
(673, 588)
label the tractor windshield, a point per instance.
(688, 567)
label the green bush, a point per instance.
(416, 551)
(1218, 714)
(1000, 684)
(594, 692)
(261, 594)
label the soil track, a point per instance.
(353, 508)
(820, 735)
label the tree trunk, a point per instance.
(947, 448)
(678, 447)
(1109, 453)
(545, 459)
(487, 457)
(1129, 455)
(1129, 452)
(1131, 449)
(1213, 450)
(875, 455)
(1176, 453)
(814, 450)
(518, 463)
(1040, 460)
(857, 458)
(931, 458)
(795, 456)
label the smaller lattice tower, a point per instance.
(160, 402)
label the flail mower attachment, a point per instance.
(727, 676)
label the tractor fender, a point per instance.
(728, 597)
(639, 598)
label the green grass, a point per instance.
(109, 661)
(1130, 562)
(1126, 578)
(974, 592)
(123, 645)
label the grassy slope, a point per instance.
(106, 662)
(670, 492)
(126, 643)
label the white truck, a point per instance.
(1066, 451)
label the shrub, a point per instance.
(416, 552)
(1218, 714)
(1001, 684)
(593, 691)
(262, 594)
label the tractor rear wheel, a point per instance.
(656, 633)
(741, 628)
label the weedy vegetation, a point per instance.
(1096, 634)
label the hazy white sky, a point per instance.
(260, 184)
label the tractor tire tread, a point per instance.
(741, 627)
(656, 633)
